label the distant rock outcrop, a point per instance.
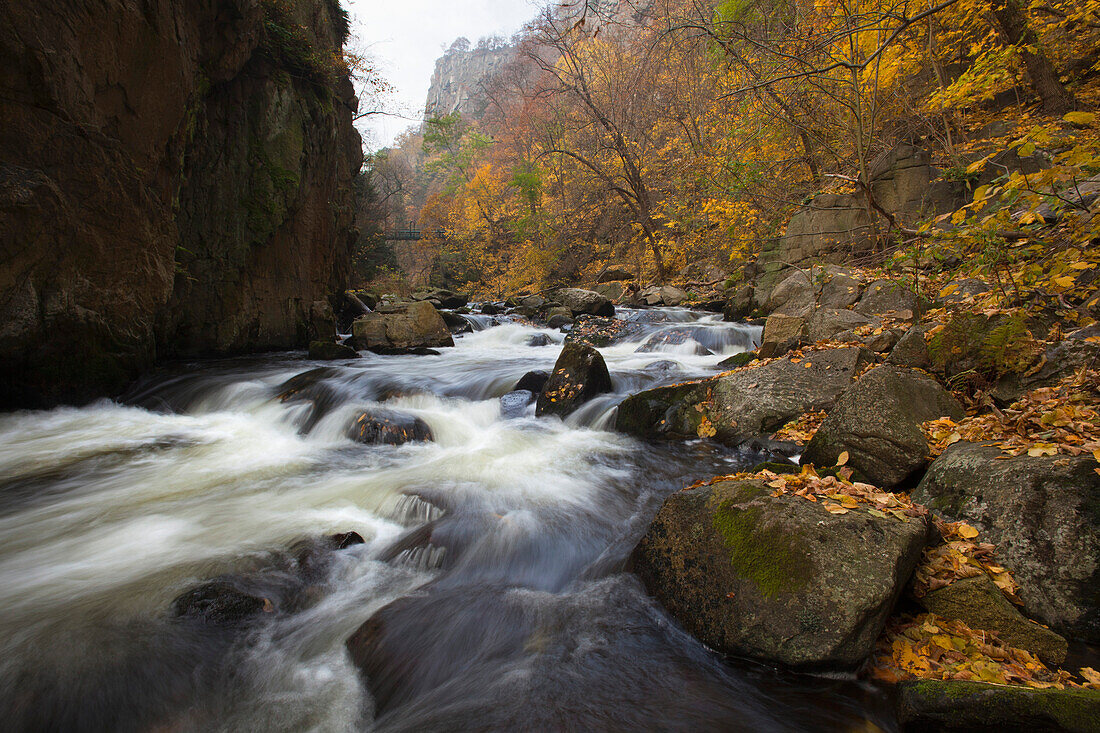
(175, 180)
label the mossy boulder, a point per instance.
(732, 408)
(957, 705)
(579, 375)
(777, 578)
(877, 421)
(982, 347)
(1042, 513)
(980, 604)
(738, 360)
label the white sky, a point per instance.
(405, 37)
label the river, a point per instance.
(496, 553)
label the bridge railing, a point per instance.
(415, 235)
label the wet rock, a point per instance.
(330, 351)
(455, 323)
(672, 337)
(344, 540)
(793, 296)
(533, 381)
(662, 295)
(493, 309)
(581, 302)
(310, 387)
(959, 706)
(615, 274)
(781, 334)
(614, 292)
(877, 422)
(514, 404)
(401, 326)
(220, 603)
(827, 322)
(539, 339)
(738, 360)
(579, 375)
(559, 317)
(889, 296)
(532, 301)
(597, 331)
(388, 427)
(911, 350)
(980, 604)
(735, 407)
(777, 578)
(1042, 514)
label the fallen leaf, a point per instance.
(842, 458)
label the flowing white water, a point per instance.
(109, 512)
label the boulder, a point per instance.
(597, 331)
(827, 322)
(533, 381)
(777, 578)
(330, 351)
(613, 291)
(793, 296)
(388, 427)
(676, 338)
(533, 301)
(960, 706)
(734, 407)
(781, 334)
(889, 296)
(492, 309)
(740, 305)
(579, 375)
(514, 404)
(980, 604)
(877, 421)
(911, 350)
(614, 274)
(444, 298)
(738, 360)
(558, 317)
(539, 339)
(841, 290)
(585, 302)
(882, 343)
(1042, 513)
(401, 326)
(1058, 361)
(455, 322)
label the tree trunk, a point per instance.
(1011, 16)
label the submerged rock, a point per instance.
(962, 706)
(980, 604)
(1043, 514)
(579, 375)
(777, 578)
(220, 603)
(514, 404)
(331, 351)
(389, 427)
(402, 327)
(734, 407)
(539, 339)
(877, 421)
(672, 337)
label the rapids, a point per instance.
(519, 614)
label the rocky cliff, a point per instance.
(175, 180)
(460, 76)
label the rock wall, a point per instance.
(459, 79)
(175, 180)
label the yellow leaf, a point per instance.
(1026, 149)
(966, 531)
(842, 458)
(1096, 455)
(1065, 281)
(1080, 118)
(835, 508)
(948, 289)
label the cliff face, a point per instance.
(175, 179)
(459, 77)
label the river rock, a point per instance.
(533, 381)
(455, 323)
(777, 578)
(1042, 515)
(597, 331)
(388, 427)
(539, 339)
(559, 317)
(742, 404)
(579, 375)
(330, 351)
(827, 322)
(781, 334)
(980, 604)
(444, 298)
(889, 296)
(514, 404)
(532, 301)
(958, 706)
(581, 302)
(401, 326)
(672, 337)
(877, 421)
(793, 296)
(220, 603)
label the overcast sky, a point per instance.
(407, 36)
